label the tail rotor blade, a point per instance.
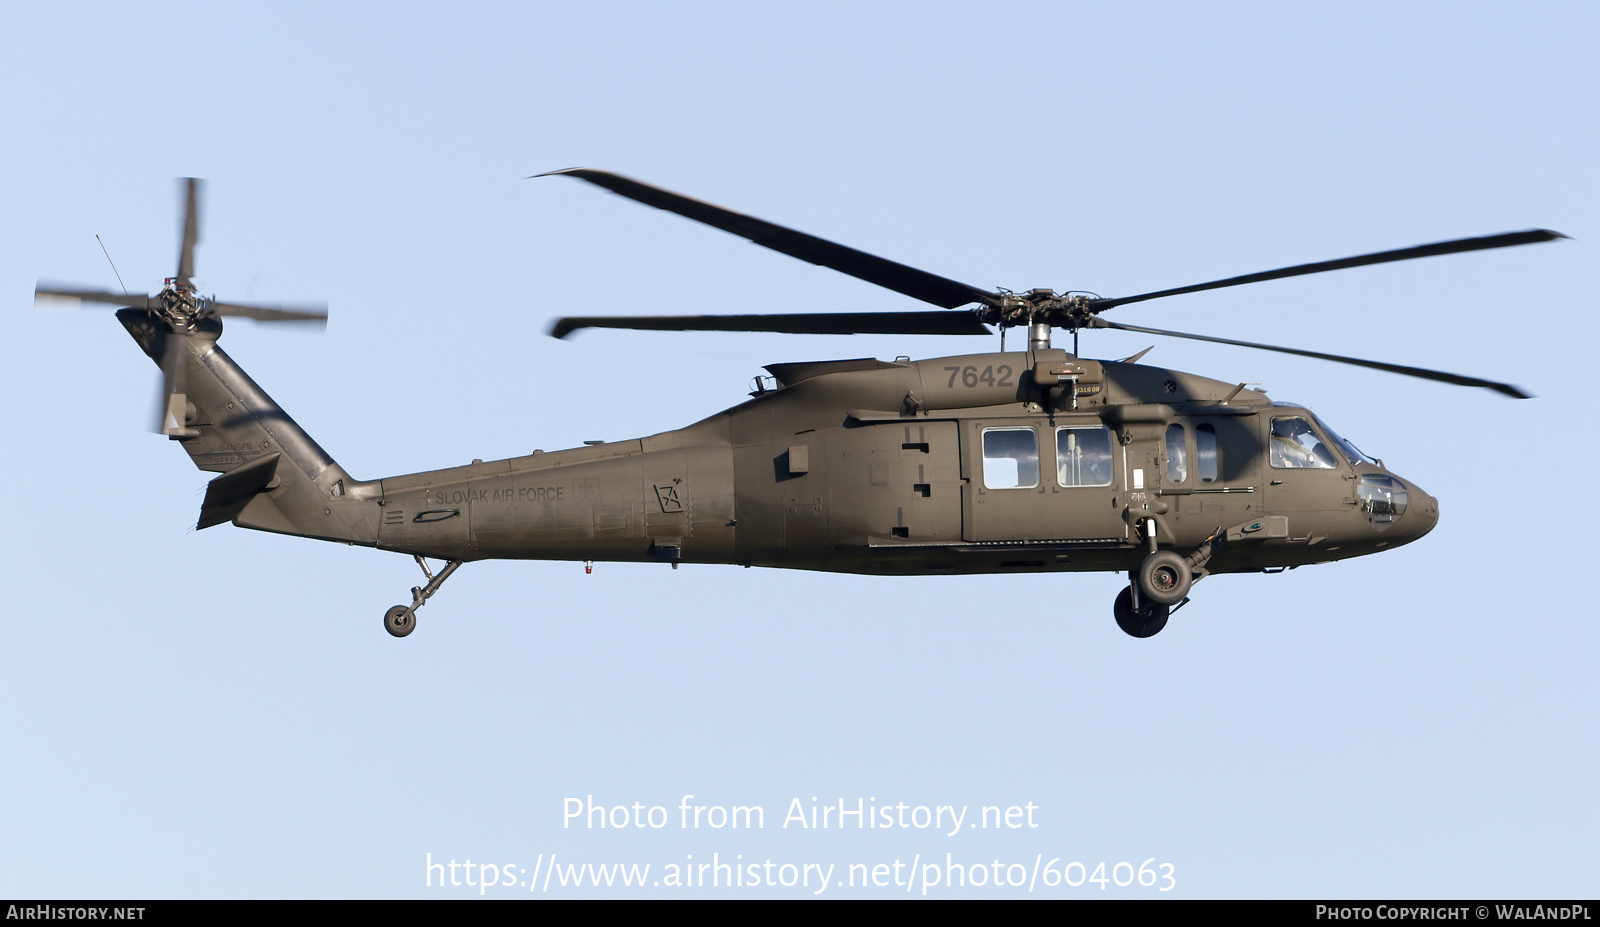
(191, 229)
(172, 407)
(67, 297)
(284, 312)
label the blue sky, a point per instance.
(219, 714)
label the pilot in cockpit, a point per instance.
(1295, 446)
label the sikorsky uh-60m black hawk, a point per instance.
(1023, 461)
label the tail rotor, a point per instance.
(182, 310)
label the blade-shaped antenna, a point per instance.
(798, 323)
(191, 229)
(1421, 372)
(1486, 242)
(918, 284)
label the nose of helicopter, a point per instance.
(1423, 515)
(1429, 509)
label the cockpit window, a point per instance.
(1083, 456)
(1010, 458)
(1351, 452)
(1296, 447)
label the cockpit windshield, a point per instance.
(1350, 451)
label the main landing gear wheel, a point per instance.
(1146, 622)
(400, 620)
(1164, 579)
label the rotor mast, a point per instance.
(1039, 310)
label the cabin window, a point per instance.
(1296, 447)
(1208, 461)
(1010, 458)
(1083, 456)
(1177, 455)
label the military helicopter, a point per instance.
(1035, 460)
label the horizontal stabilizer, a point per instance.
(228, 494)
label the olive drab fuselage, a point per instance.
(1023, 461)
(979, 463)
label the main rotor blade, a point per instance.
(51, 291)
(1504, 240)
(918, 284)
(799, 323)
(191, 230)
(303, 312)
(1421, 372)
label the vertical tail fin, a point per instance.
(274, 476)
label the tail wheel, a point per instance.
(400, 621)
(1146, 622)
(1164, 578)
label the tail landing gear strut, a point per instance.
(402, 619)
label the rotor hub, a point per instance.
(180, 306)
(1039, 306)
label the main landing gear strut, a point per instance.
(402, 619)
(1159, 587)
